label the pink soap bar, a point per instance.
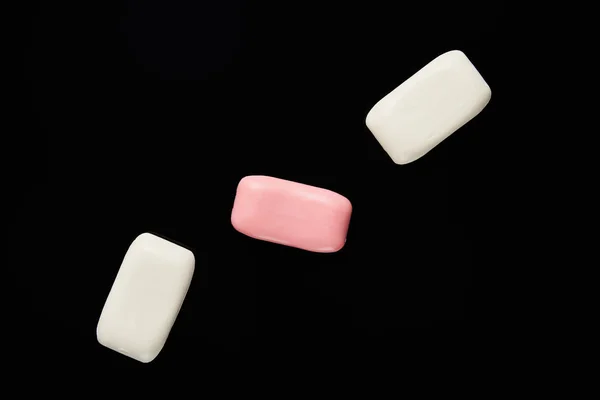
(292, 214)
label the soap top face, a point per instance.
(428, 107)
(292, 214)
(146, 297)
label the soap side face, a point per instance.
(428, 107)
(292, 214)
(146, 297)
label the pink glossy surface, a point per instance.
(291, 213)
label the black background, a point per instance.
(143, 116)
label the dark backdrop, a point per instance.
(143, 116)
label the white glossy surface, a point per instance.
(146, 297)
(428, 107)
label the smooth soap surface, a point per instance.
(292, 214)
(146, 297)
(428, 107)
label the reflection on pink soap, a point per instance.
(292, 214)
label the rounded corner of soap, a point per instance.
(346, 203)
(245, 179)
(142, 237)
(100, 337)
(149, 356)
(457, 52)
(403, 158)
(336, 247)
(488, 94)
(238, 222)
(454, 54)
(190, 258)
(250, 182)
(370, 119)
(340, 246)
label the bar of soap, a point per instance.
(428, 107)
(292, 214)
(146, 297)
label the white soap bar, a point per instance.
(146, 297)
(428, 107)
